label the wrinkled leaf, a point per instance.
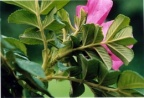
(47, 6)
(31, 67)
(91, 34)
(31, 36)
(29, 5)
(124, 37)
(124, 53)
(129, 80)
(23, 17)
(104, 56)
(79, 21)
(111, 78)
(63, 14)
(52, 21)
(120, 22)
(15, 44)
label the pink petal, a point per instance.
(78, 9)
(98, 10)
(105, 27)
(116, 64)
(130, 46)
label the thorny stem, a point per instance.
(40, 26)
(81, 81)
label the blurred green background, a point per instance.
(130, 8)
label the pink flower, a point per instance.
(97, 11)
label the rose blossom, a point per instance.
(97, 11)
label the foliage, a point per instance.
(74, 54)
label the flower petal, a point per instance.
(116, 64)
(105, 27)
(78, 9)
(98, 10)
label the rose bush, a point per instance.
(97, 12)
(84, 54)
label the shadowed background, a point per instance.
(130, 8)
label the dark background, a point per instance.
(130, 8)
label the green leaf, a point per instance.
(130, 93)
(52, 21)
(58, 44)
(104, 56)
(124, 37)
(31, 67)
(29, 5)
(89, 67)
(31, 36)
(23, 17)
(76, 41)
(39, 83)
(16, 44)
(140, 90)
(102, 69)
(67, 47)
(124, 53)
(77, 89)
(27, 93)
(79, 21)
(98, 92)
(35, 84)
(84, 63)
(102, 72)
(130, 80)
(120, 22)
(62, 67)
(5, 44)
(91, 34)
(76, 71)
(111, 78)
(63, 14)
(92, 70)
(11, 59)
(47, 6)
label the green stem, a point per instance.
(58, 57)
(64, 34)
(81, 81)
(125, 93)
(45, 58)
